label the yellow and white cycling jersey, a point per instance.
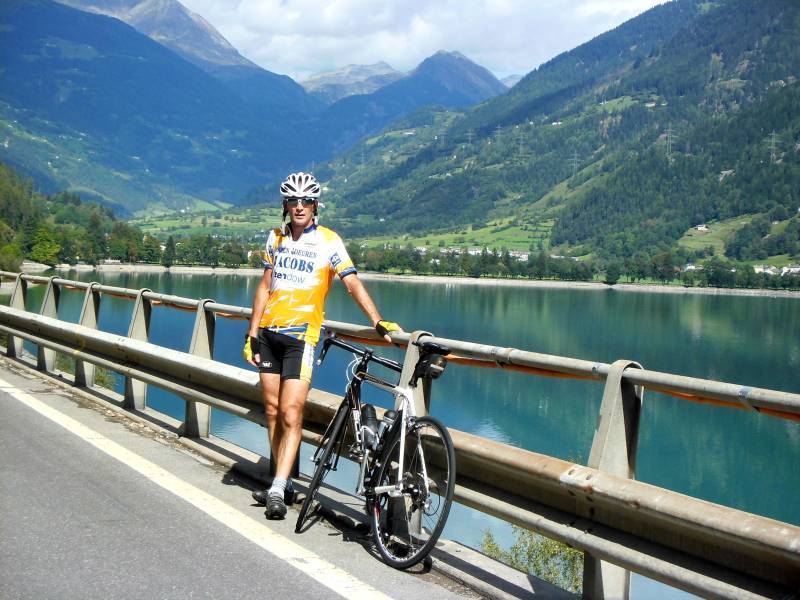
(302, 273)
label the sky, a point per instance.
(302, 37)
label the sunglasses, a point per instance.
(292, 202)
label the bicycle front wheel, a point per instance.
(326, 456)
(406, 525)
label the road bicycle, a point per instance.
(406, 463)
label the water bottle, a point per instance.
(369, 425)
(388, 420)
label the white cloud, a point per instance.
(301, 37)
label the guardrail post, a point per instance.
(46, 358)
(419, 396)
(85, 371)
(136, 391)
(197, 422)
(18, 298)
(614, 451)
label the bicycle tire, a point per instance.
(330, 439)
(392, 526)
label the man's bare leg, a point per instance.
(270, 392)
(283, 405)
(289, 423)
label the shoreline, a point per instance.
(583, 285)
(454, 280)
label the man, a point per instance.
(300, 261)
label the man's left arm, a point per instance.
(359, 293)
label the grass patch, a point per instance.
(719, 232)
(779, 260)
(509, 233)
(242, 223)
(617, 104)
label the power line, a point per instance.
(574, 162)
(670, 138)
(773, 151)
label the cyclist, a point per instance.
(300, 260)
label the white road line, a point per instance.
(329, 575)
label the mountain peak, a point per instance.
(454, 71)
(331, 86)
(171, 24)
(455, 54)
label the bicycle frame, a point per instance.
(407, 412)
(405, 406)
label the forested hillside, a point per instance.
(58, 228)
(685, 114)
(742, 165)
(62, 228)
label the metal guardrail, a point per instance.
(621, 524)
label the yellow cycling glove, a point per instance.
(264, 258)
(250, 347)
(384, 327)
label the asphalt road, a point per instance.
(90, 508)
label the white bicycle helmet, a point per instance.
(300, 185)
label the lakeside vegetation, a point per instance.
(64, 229)
(542, 557)
(663, 268)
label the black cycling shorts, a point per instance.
(283, 354)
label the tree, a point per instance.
(664, 266)
(232, 254)
(720, 272)
(67, 239)
(613, 272)
(10, 257)
(540, 556)
(96, 239)
(745, 277)
(151, 250)
(45, 248)
(168, 258)
(639, 266)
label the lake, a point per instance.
(732, 457)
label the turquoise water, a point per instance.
(729, 456)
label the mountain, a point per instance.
(169, 23)
(89, 104)
(616, 147)
(92, 105)
(331, 86)
(190, 36)
(446, 79)
(464, 82)
(511, 80)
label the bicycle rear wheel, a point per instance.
(326, 456)
(405, 528)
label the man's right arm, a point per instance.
(259, 303)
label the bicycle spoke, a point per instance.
(407, 526)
